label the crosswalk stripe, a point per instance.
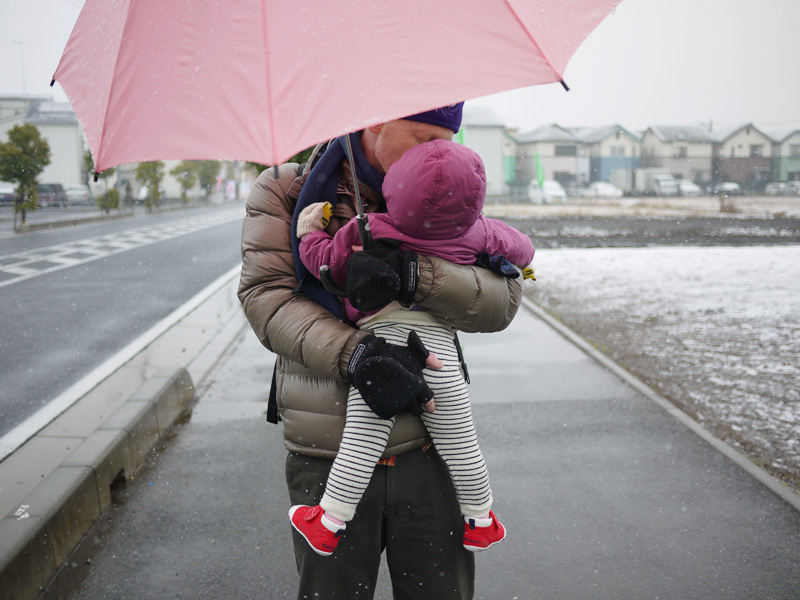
(25, 265)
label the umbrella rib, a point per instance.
(535, 43)
(269, 81)
(110, 89)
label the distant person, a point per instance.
(129, 195)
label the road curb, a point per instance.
(68, 222)
(776, 486)
(37, 539)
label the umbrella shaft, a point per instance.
(363, 223)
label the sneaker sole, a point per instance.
(481, 549)
(310, 545)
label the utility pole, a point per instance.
(22, 62)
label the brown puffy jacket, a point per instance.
(313, 346)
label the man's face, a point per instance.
(392, 139)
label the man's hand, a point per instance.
(380, 274)
(389, 377)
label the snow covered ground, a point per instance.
(714, 329)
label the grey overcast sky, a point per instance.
(651, 62)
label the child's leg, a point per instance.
(364, 440)
(451, 426)
(453, 434)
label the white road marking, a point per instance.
(26, 265)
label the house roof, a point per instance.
(601, 133)
(693, 134)
(51, 113)
(724, 135)
(548, 133)
(781, 135)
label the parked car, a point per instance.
(688, 188)
(551, 191)
(601, 189)
(52, 194)
(8, 191)
(78, 194)
(774, 189)
(792, 188)
(728, 188)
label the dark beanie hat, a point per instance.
(447, 116)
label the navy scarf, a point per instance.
(320, 186)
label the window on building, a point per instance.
(617, 150)
(794, 150)
(733, 152)
(566, 151)
(564, 177)
(756, 150)
(681, 152)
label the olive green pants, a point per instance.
(410, 511)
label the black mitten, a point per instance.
(381, 274)
(389, 377)
(497, 263)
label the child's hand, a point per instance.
(430, 406)
(314, 217)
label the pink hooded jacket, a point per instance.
(434, 196)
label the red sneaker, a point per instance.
(477, 539)
(321, 533)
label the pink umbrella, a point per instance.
(260, 80)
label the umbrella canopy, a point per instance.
(260, 80)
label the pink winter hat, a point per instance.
(436, 190)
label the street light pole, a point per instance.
(22, 62)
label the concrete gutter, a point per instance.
(56, 482)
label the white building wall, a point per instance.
(65, 141)
(66, 155)
(738, 146)
(607, 147)
(488, 143)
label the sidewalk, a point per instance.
(604, 493)
(55, 217)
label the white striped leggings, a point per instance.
(450, 427)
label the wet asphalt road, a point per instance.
(60, 325)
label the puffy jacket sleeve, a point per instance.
(468, 298)
(286, 322)
(511, 243)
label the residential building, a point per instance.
(686, 151)
(611, 149)
(744, 156)
(786, 155)
(561, 152)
